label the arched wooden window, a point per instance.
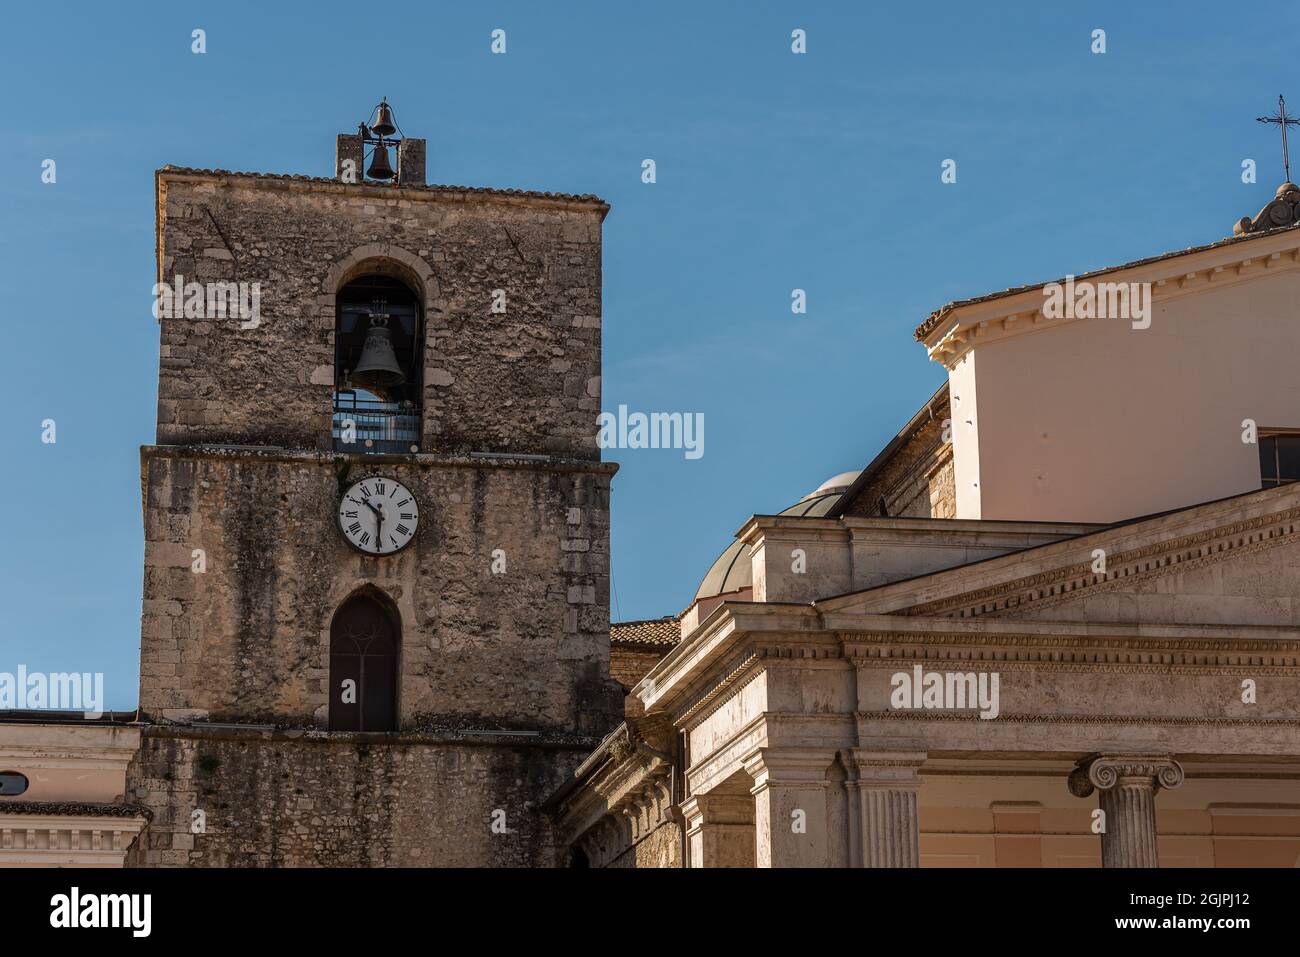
(363, 666)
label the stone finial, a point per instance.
(1284, 210)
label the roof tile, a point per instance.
(661, 632)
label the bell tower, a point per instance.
(376, 587)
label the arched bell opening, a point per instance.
(378, 372)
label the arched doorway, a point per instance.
(364, 638)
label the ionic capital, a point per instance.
(1105, 771)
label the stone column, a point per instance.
(884, 797)
(790, 819)
(719, 829)
(1128, 785)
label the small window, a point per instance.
(11, 782)
(1279, 458)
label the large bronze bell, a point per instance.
(377, 370)
(379, 168)
(384, 125)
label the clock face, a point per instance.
(378, 515)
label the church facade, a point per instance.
(1055, 622)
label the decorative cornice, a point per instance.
(272, 454)
(737, 676)
(1003, 318)
(1087, 719)
(1082, 653)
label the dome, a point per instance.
(732, 571)
(836, 483)
(727, 573)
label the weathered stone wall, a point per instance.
(628, 664)
(247, 640)
(917, 481)
(336, 800)
(662, 847)
(524, 381)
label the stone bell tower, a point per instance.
(375, 618)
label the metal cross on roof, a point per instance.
(1282, 120)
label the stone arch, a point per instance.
(382, 259)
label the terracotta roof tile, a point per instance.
(660, 632)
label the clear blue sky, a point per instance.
(775, 171)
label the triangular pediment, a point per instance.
(1235, 561)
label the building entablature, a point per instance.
(712, 651)
(955, 330)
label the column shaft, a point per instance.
(1130, 836)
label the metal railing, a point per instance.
(372, 425)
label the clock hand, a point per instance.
(379, 524)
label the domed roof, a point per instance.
(732, 571)
(836, 483)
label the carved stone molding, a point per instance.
(909, 714)
(1280, 651)
(734, 677)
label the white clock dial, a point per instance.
(378, 515)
